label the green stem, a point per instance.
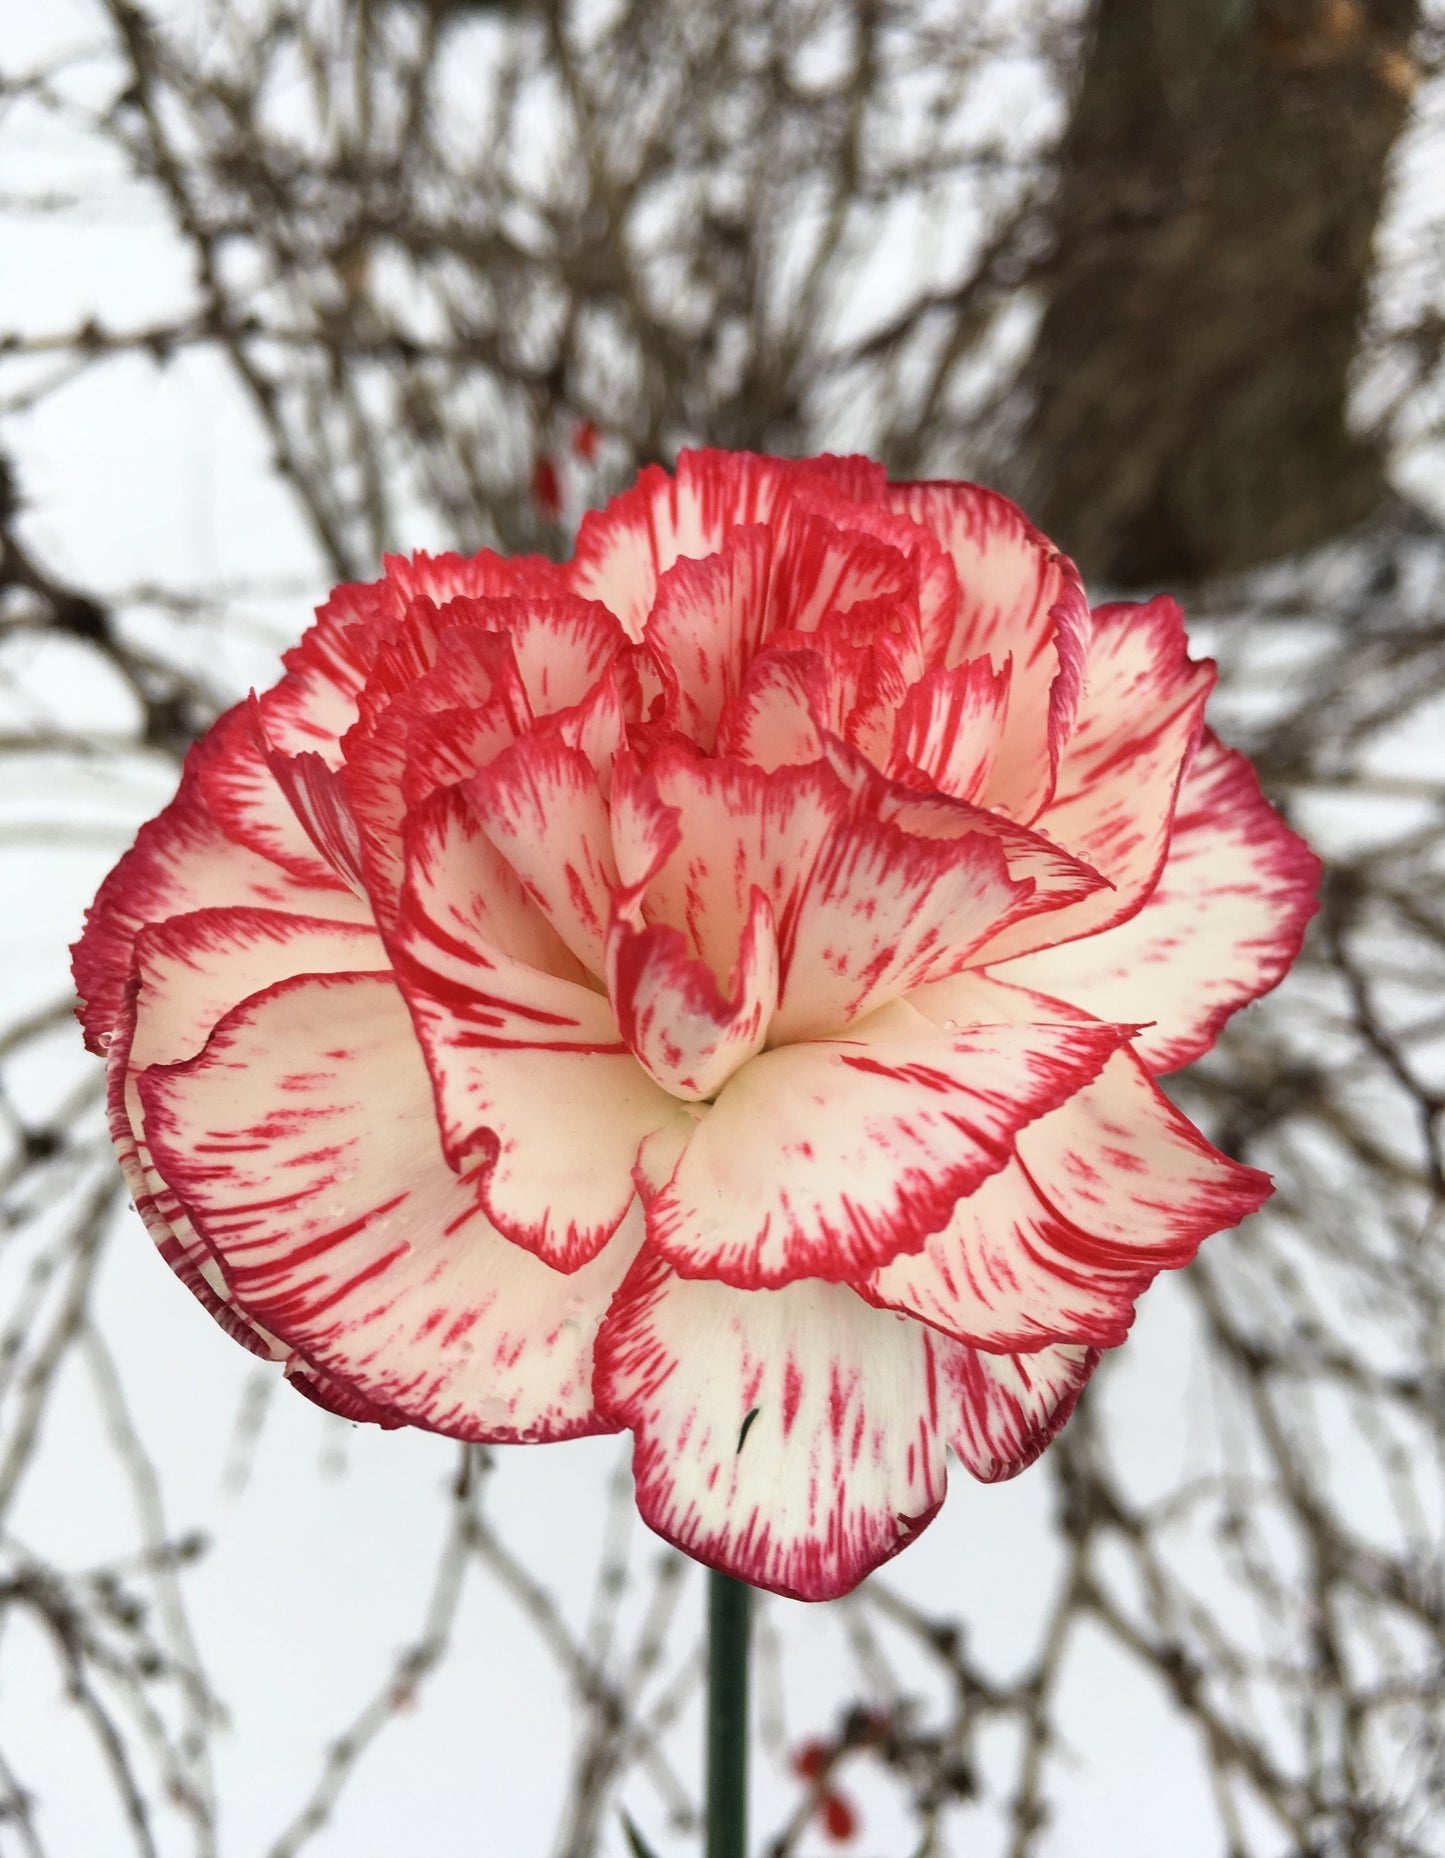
(728, 1606)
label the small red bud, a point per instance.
(585, 437)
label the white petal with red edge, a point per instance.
(247, 801)
(190, 972)
(562, 645)
(448, 689)
(303, 1143)
(936, 580)
(820, 569)
(316, 794)
(1001, 1411)
(540, 805)
(949, 728)
(864, 908)
(790, 1438)
(1105, 1191)
(1220, 928)
(707, 624)
(1019, 600)
(827, 1159)
(181, 861)
(773, 721)
(879, 912)
(533, 1080)
(622, 551)
(687, 1034)
(1139, 719)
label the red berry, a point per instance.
(584, 440)
(840, 1822)
(811, 1759)
(546, 489)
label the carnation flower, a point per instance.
(714, 987)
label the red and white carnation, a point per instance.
(714, 987)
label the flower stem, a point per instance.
(729, 1604)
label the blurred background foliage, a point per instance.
(1173, 274)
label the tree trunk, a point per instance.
(1220, 182)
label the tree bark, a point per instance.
(1221, 178)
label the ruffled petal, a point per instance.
(249, 804)
(563, 645)
(776, 718)
(540, 805)
(302, 1142)
(1139, 720)
(933, 578)
(315, 704)
(190, 972)
(444, 691)
(826, 1159)
(1003, 1410)
(181, 861)
(684, 1030)
(791, 1438)
(534, 1083)
(1221, 927)
(1021, 602)
(949, 728)
(873, 889)
(820, 568)
(706, 625)
(1106, 1190)
(624, 550)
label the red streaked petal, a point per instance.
(1104, 1191)
(820, 569)
(316, 795)
(1019, 600)
(483, 576)
(1009, 575)
(950, 726)
(1008, 1271)
(789, 1437)
(687, 1034)
(866, 906)
(443, 697)
(1003, 1410)
(707, 623)
(1125, 1166)
(879, 912)
(303, 1144)
(533, 1080)
(935, 579)
(826, 1159)
(562, 645)
(249, 803)
(1222, 925)
(1139, 720)
(463, 896)
(316, 701)
(597, 725)
(334, 1397)
(540, 805)
(181, 861)
(622, 551)
(774, 720)
(190, 972)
